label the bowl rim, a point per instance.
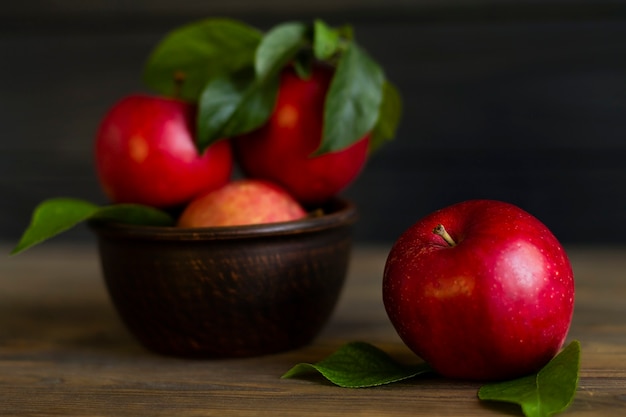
(342, 212)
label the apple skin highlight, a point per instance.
(496, 304)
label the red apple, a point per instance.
(282, 149)
(480, 290)
(242, 202)
(145, 153)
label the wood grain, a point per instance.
(63, 351)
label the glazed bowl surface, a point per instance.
(227, 291)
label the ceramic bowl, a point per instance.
(227, 291)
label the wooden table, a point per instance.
(63, 350)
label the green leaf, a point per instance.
(388, 117)
(278, 47)
(359, 365)
(196, 53)
(353, 100)
(303, 65)
(232, 105)
(548, 392)
(54, 216)
(136, 214)
(326, 41)
(242, 101)
(346, 32)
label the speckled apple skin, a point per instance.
(496, 306)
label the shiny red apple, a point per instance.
(242, 202)
(282, 149)
(481, 290)
(145, 153)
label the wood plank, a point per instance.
(63, 351)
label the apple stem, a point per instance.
(441, 231)
(179, 79)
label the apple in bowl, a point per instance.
(146, 154)
(241, 202)
(284, 149)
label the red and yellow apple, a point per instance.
(146, 154)
(242, 202)
(480, 290)
(282, 149)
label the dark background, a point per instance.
(523, 101)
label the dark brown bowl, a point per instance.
(227, 291)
